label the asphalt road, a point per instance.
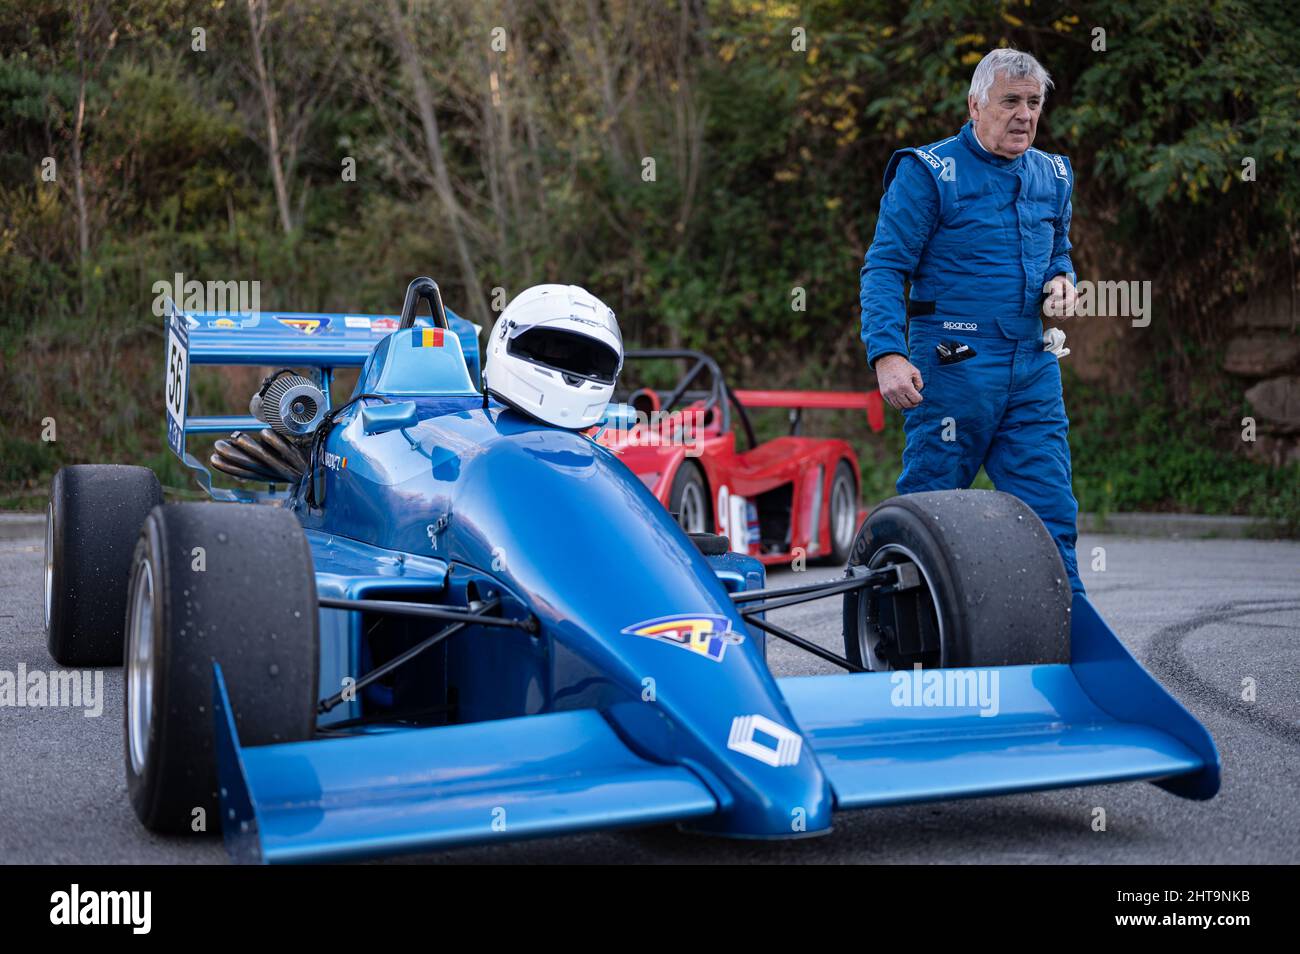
(1202, 615)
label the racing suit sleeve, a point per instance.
(1061, 263)
(909, 211)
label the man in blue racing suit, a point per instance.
(979, 223)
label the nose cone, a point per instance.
(640, 626)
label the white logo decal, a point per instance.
(742, 740)
(960, 326)
(934, 163)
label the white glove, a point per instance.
(1054, 341)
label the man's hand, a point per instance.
(900, 383)
(1060, 299)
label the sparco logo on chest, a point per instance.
(960, 326)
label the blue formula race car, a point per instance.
(428, 619)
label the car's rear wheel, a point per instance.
(91, 525)
(689, 500)
(987, 586)
(227, 583)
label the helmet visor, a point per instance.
(572, 355)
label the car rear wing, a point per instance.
(323, 342)
(723, 395)
(797, 401)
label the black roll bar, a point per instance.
(427, 289)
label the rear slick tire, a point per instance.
(91, 526)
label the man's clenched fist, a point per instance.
(1061, 298)
(900, 383)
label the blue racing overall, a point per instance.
(978, 236)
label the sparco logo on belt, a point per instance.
(960, 326)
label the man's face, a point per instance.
(1007, 122)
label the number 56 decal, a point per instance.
(176, 389)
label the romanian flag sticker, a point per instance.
(706, 635)
(427, 338)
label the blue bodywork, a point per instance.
(595, 720)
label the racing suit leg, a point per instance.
(1029, 456)
(949, 432)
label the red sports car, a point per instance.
(785, 498)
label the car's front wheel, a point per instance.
(983, 585)
(211, 582)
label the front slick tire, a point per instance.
(993, 590)
(211, 582)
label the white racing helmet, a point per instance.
(555, 354)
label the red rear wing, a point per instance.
(869, 401)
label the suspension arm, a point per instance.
(476, 616)
(396, 608)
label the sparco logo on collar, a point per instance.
(960, 326)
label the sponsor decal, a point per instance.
(335, 461)
(382, 326)
(427, 338)
(760, 738)
(1059, 163)
(960, 326)
(356, 321)
(704, 634)
(308, 326)
(927, 157)
(228, 324)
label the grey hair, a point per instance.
(1015, 64)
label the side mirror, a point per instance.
(621, 417)
(382, 418)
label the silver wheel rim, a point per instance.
(49, 563)
(139, 666)
(690, 512)
(868, 635)
(843, 514)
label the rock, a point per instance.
(1274, 451)
(1276, 402)
(1269, 310)
(1260, 355)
